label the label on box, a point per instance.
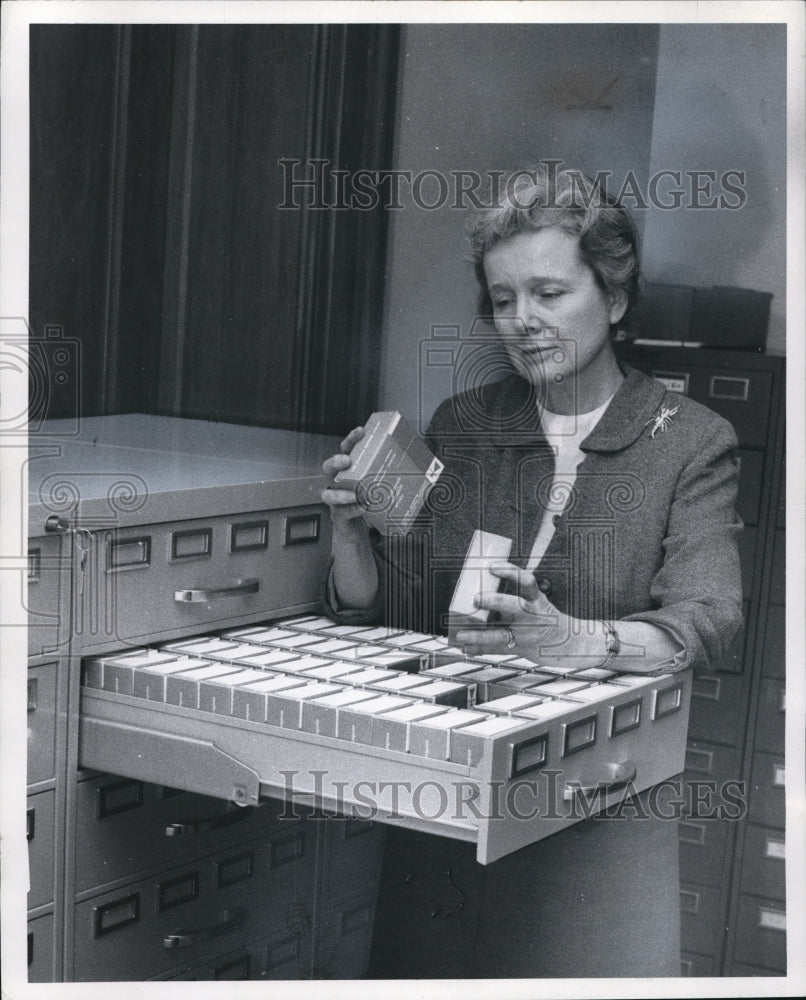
(392, 472)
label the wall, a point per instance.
(496, 97)
(603, 97)
(719, 105)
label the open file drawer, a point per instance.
(244, 717)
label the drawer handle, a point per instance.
(231, 920)
(616, 775)
(33, 690)
(205, 596)
(189, 827)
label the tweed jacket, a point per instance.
(648, 532)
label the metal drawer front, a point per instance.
(41, 831)
(768, 790)
(502, 783)
(189, 914)
(771, 721)
(353, 855)
(778, 582)
(700, 907)
(346, 937)
(751, 469)
(47, 597)
(41, 722)
(761, 933)
(774, 664)
(283, 956)
(713, 797)
(124, 824)
(716, 708)
(41, 950)
(707, 762)
(742, 397)
(764, 862)
(147, 582)
(703, 846)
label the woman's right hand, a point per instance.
(345, 512)
(355, 574)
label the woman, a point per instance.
(619, 498)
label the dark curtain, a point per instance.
(166, 265)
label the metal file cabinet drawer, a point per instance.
(771, 719)
(700, 907)
(236, 966)
(345, 937)
(152, 580)
(353, 855)
(431, 887)
(717, 708)
(189, 914)
(707, 762)
(778, 581)
(774, 664)
(767, 792)
(764, 862)
(41, 831)
(534, 779)
(47, 594)
(761, 932)
(283, 956)
(751, 469)
(742, 397)
(124, 825)
(704, 845)
(42, 688)
(41, 950)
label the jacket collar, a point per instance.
(635, 402)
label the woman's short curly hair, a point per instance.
(541, 197)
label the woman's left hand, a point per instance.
(528, 623)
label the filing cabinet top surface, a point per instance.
(129, 469)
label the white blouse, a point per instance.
(564, 433)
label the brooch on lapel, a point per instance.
(662, 419)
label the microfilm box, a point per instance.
(485, 549)
(392, 472)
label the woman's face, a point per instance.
(552, 316)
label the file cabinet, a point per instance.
(47, 597)
(733, 870)
(151, 528)
(157, 854)
(112, 861)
